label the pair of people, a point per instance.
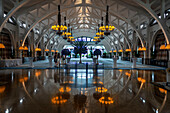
(57, 59)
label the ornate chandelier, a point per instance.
(59, 28)
(70, 38)
(107, 28)
(66, 33)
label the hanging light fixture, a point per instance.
(107, 28)
(97, 38)
(70, 38)
(66, 32)
(46, 50)
(100, 34)
(2, 45)
(164, 47)
(23, 48)
(128, 50)
(59, 28)
(37, 49)
(141, 49)
(120, 50)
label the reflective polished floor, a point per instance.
(83, 91)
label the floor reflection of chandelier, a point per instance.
(58, 100)
(106, 100)
(101, 89)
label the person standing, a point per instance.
(58, 59)
(55, 58)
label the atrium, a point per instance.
(84, 56)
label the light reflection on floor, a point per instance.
(79, 91)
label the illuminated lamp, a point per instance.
(23, 48)
(2, 89)
(114, 51)
(139, 49)
(162, 47)
(167, 46)
(52, 50)
(2, 45)
(128, 50)
(37, 49)
(46, 50)
(121, 50)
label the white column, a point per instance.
(114, 62)
(134, 62)
(50, 58)
(144, 57)
(31, 61)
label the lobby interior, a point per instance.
(84, 56)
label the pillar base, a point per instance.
(134, 62)
(50, 61)
(31, 61)
(114, 62)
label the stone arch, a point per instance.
(7, 39)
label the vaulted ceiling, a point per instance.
(83, 15)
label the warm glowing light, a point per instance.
(56, 51)
(120, 70)
(114, 51)
(128, 50)
(72, 40)
(62, 90)
(110, 51)
(127, 74)
(2, 89)
(61, 27)
(96, 37)
(37, 49)
(121, 50)
(141, 80)
(69, 82)
(46, 50)
(163, 90)
(52, 50)
(58, 100)
(99, 33)
(106, 100)
(141, 49)
(24, 79)
(98, 82)
(38, 73)
(2, 45)
(107, 28)
(66, 34)
(101, 89)
(94, 40)
(168, 46)
(23, 48)
(162, 47)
